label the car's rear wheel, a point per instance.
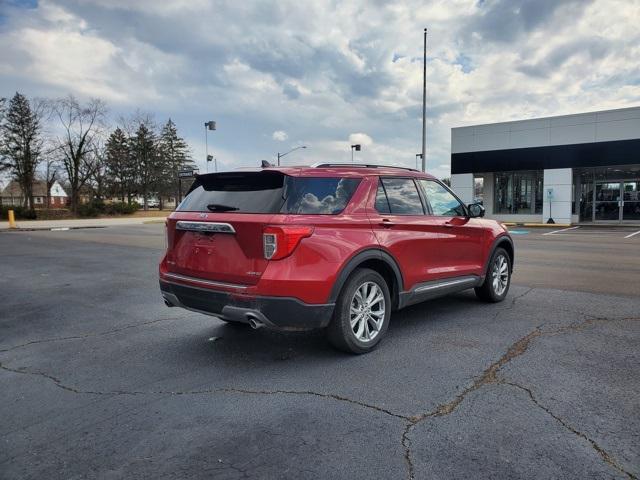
(496, 283)
(362, 312)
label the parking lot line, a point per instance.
(633, 234)
(562, 230)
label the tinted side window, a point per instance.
(403, 196)
(382, 204)
(442, 202)
(316, 195)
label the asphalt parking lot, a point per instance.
(98, 379)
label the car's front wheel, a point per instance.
(362, 312)
(496, 283)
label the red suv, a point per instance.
(328, 246)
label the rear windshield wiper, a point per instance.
(217, 207)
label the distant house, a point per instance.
(12, 195)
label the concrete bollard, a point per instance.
(12, 220)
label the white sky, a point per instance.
(325, 74)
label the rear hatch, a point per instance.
(218, 231)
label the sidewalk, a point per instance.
(80, 223)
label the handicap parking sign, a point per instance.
(549, 193)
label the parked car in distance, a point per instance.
(329, 246)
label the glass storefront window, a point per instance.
(609, 194)
(518, 192)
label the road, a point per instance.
(98, 379)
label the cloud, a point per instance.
(360, 138)
(280, 135)
(310, 70)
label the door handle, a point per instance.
(386, 223)
(449, 224)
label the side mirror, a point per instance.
(476, 210)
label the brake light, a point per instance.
(280, 242)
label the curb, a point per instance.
(537, 225)
(47, 229)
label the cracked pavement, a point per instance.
(98, 379)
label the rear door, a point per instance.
(399, 222)
(461, 238)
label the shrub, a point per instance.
(20, 213)
(88, 210)
(120, 208)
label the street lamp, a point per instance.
(210, 125)
(280, 155)
(215, 163)
(357, 148)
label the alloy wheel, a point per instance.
(500, 275)
(367, 311)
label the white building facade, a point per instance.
(582, 168)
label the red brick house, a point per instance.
(12, 195)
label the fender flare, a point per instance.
(497, 242)
(355, 261)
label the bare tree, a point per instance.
(21, 143)
(51, 175)
(82, 126)
(99, 176)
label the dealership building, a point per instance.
(582, 168)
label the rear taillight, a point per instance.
(166, 235)
(280, 242)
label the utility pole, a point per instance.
(424, 103)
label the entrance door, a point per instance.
(617, 201)
(608, 201)
(631, 200)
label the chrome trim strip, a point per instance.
(449, 283)
(212, 227)
(202, 281)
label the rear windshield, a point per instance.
(268, 192)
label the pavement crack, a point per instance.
(512, 305)
(606, 457)
(406, 445)
(340, 398)
(489, 375)
(83, 336)
(55, 380)
(333, 396)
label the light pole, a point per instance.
(424, 103)
(215, 163)
(280, 155)
(210, 125)
(357, 147)
(418, 155)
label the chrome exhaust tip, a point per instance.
(254, 323)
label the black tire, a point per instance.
(340, 332)
(489, 291)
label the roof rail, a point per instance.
(360, 165)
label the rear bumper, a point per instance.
(278, 313)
